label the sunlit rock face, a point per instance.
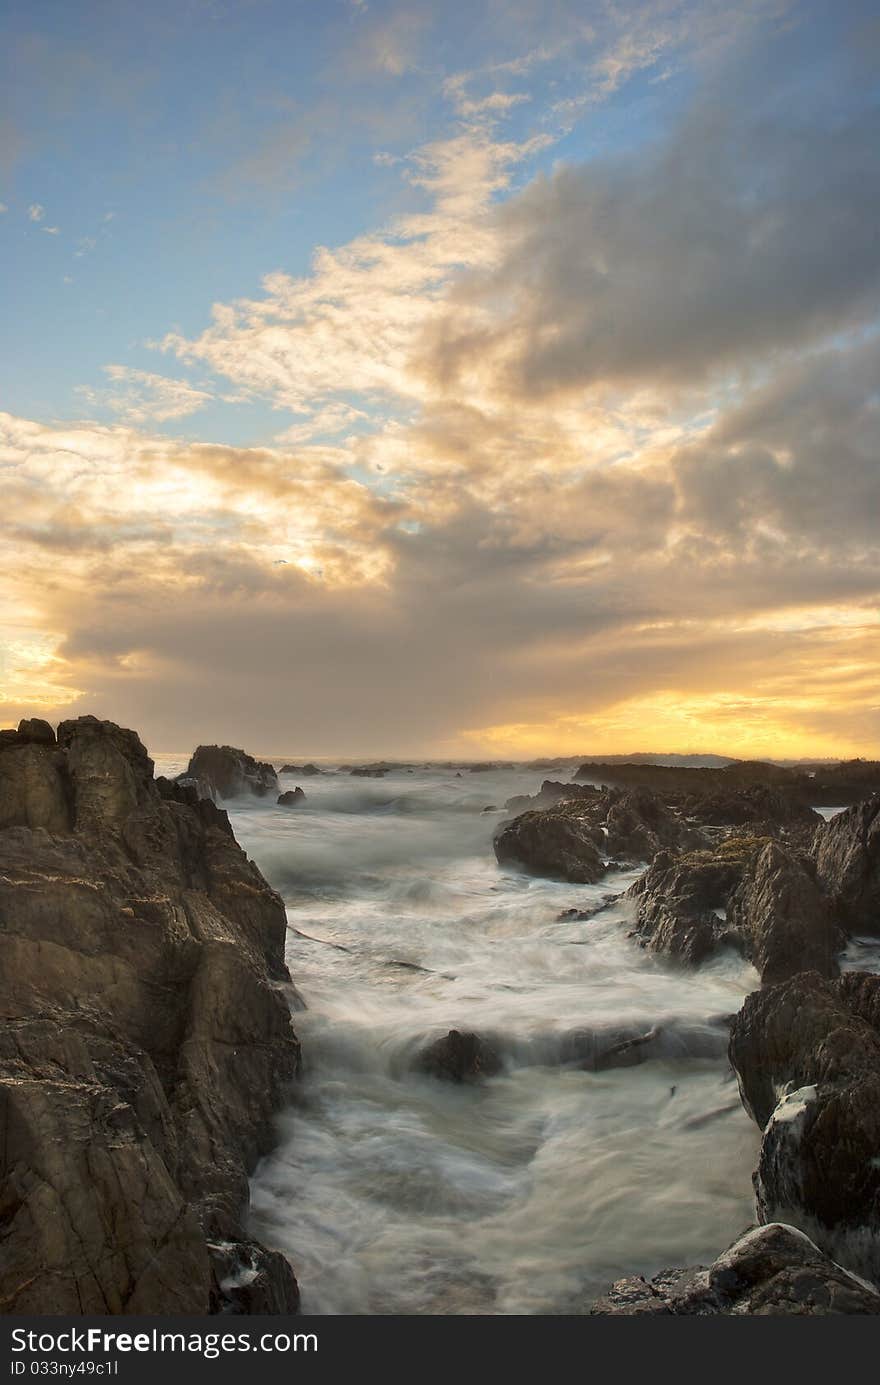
(146, 1038)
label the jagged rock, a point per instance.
(807, 1057)
(459, 1057)
(249, 1279)
(847, 851)
(681, 899)
(749, 893)
(557, 842)
(36, 731)
(574, 839)
(293, 798)
(550, 793)
(369, 771)
(307, 770)
(774, 1270)
(222, 771)
(783, 919)
(144, 1046)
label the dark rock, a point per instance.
(459, 1057)
(774, 1270)
(144, 1046)
(750, 893)
(807, 1057)
(558, 843)
(293, 798)
(249, 1279)
(36, 731)
(847, 851)
(783, 919)
(369, 771)
(307, 770)
(222, 771)
(681, 900)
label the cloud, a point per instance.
(141, 397)
(747, 231)
(589, 465)
(36, 212)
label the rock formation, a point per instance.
(293, 798)
(146, 1038)
(847, 851)
(807, 1057)
(459, 1057)
(772, 1270)
(307, 771)
(221, 772)
(575, 839)
(749, 893)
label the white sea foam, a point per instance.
(392, 1192)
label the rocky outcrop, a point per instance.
(369, 771)
(293, 798)
(847, 851)
(807, 1057)
(828, 785)
(784, 921)
(559, 843)
(681, 900)
(774, 1270)
(459, 1057)
(222, 771)
(749, 893)
(307, 771)
(551, 792)
(146, 1038)
(577, 838)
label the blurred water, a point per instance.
(393, 1192)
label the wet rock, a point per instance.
(222, 771)
(773, 1270)
(847, 852)
(293, 798)
(783, 919)
(144, 1045)
(807, 1057)
(558, 843)
(681, 900)
(459, 1057)
(249, 1279)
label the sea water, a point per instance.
(528, 1192)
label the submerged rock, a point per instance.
(222, 771)
(293, 798)
(459, 1057)
(773, 1270)
(144, 1045)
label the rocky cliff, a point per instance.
(146, 1037)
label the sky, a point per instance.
(488, 378)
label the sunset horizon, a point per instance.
(490, 379)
